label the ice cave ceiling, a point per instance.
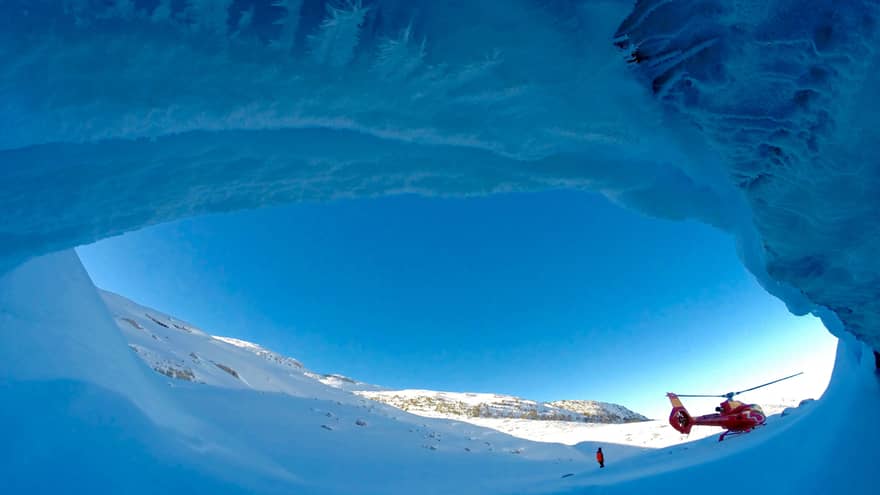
(755, 116)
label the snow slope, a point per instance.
(91, 422)
(182, 351)
(54, 326)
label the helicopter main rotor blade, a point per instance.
(686, 395)
(768, 383)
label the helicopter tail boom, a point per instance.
(679, 418)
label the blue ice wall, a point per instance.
(786, 93)
(754, 116)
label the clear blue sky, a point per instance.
(544, 295)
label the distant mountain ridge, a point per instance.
(183, 352)
(482, 405)
(600, 412)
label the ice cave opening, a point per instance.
(60, 337)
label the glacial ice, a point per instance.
(752, 116)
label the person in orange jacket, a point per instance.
(600, 458)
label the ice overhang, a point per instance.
(753, 117)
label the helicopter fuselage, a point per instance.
(734, 416)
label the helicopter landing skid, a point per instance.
(731, 433)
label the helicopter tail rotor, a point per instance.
(679, 418)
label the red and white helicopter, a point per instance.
(732, 415)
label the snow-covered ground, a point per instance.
(647, 434)
(182, 351)
(81, 404)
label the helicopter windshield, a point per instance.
(758, 409)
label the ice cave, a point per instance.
(757, 117)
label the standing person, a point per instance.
(600, 458)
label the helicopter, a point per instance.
(734, 416)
